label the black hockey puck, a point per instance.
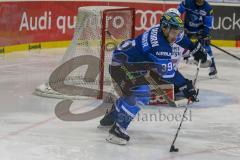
(176, 150)
(173, 149)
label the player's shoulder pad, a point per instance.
(208, 8)
(187, 3)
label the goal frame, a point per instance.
(102, 54)
(103, 79)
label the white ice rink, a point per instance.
(29, 129)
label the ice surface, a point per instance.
(30, 129)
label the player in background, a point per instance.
(198, 23)
(154, 47)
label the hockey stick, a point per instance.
(154, 86)
(159, 91)
(224, 51)
(172, 148)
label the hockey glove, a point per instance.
(189, 91)
(186, 59)
(206, 40)
(199, 53)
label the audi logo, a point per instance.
(147, 19)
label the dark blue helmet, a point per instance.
(171, 20)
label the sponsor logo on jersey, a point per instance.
(145, 39)
(164, 54)
(174, 54)
(145, 44)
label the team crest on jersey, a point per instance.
(193, 17)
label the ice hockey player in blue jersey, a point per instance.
(154, 48)
(198, 24)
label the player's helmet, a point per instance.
(174, 10)
(171, 20)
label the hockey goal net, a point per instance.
(83, 70)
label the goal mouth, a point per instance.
(83, 70)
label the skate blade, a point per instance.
(183, 103)
(106, 128)
(116, 140)
(213, 77)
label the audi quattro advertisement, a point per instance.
(55, 21)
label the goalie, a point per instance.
(153, 51)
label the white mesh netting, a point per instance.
(98, 31)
